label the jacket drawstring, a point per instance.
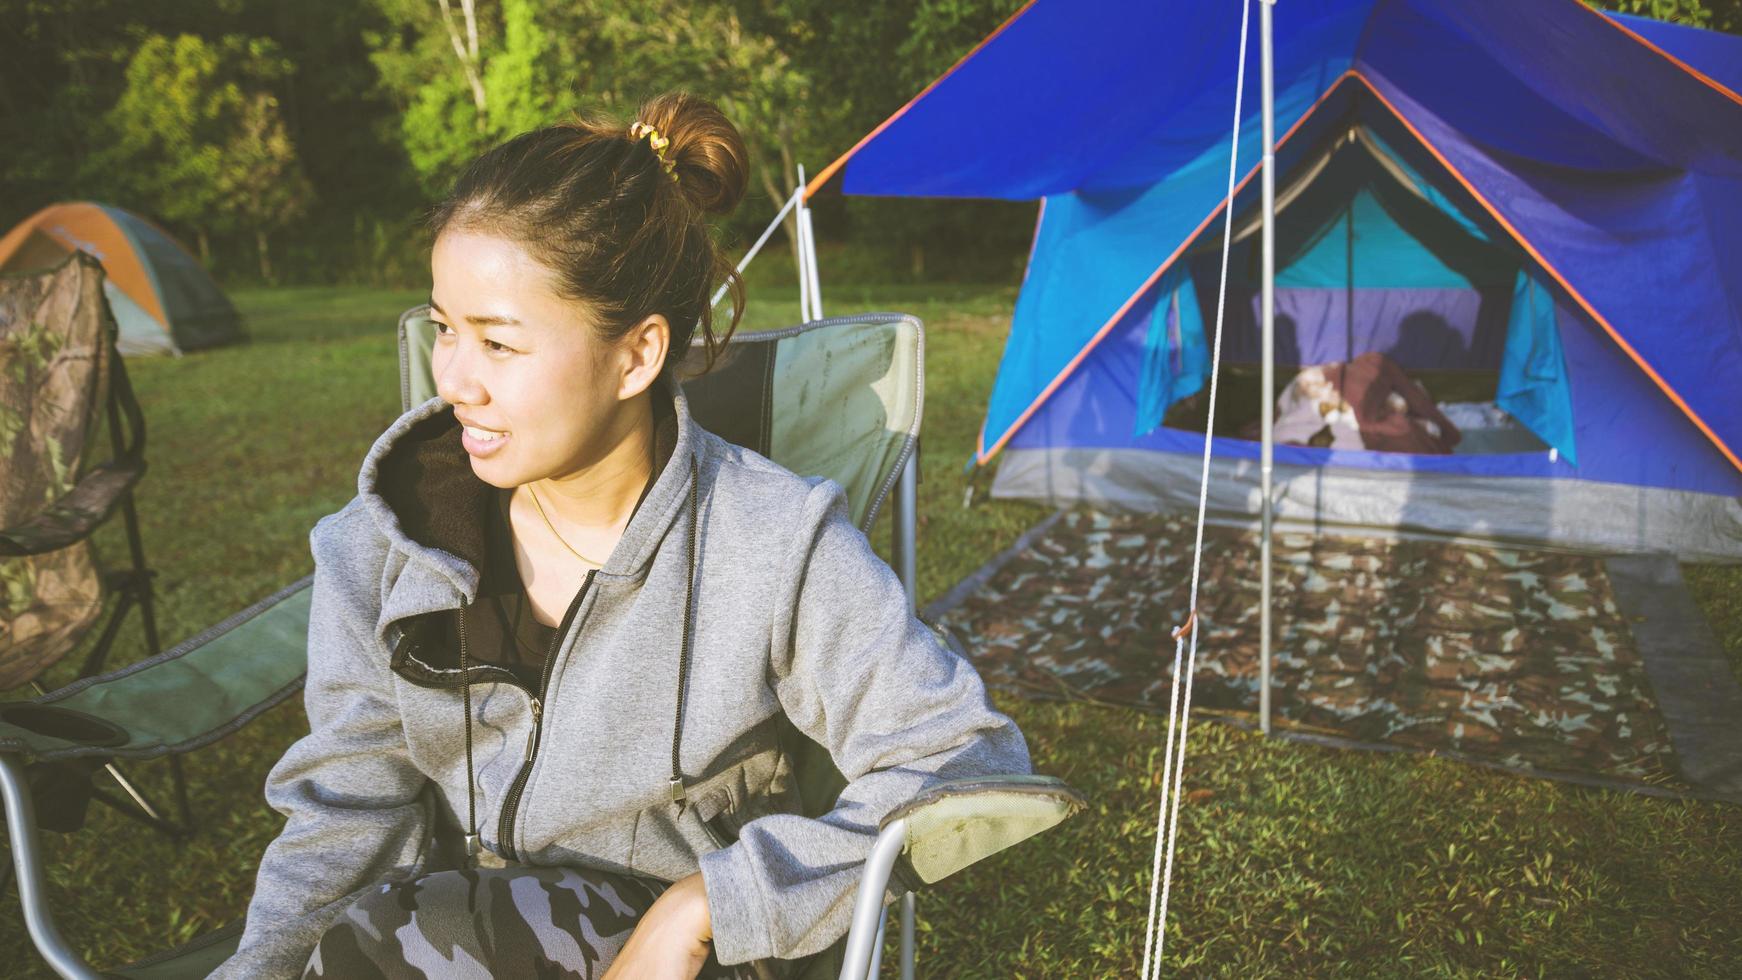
(676, 782)
(471, 789)
(683, 662)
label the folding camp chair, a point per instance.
(60, 372)
(839, 398)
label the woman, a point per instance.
(569, 631)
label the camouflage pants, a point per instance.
(493, 922)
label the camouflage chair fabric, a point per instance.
(56, 359)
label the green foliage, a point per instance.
(908, 44)
(536, 63)
(1720, 15)
(352, 117)
(197, 137)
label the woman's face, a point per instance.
(540, 394)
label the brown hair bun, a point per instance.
(712, 163)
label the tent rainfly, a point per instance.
(164, 300)
(1536, 206)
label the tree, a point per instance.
(471, 77)
(196, 137)
(866, 61)
(1717, 15)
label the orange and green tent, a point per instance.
(164, 300)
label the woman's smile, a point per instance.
(482, 442)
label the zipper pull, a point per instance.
(531, 736)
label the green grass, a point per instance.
(1293, 860)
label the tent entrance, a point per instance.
(1370, 260)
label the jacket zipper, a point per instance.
(511, 804)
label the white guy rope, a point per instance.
(766, 232)
(1180, 709)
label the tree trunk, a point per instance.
(789, 181)
(467, 52)
(205, 249)
(265, 262)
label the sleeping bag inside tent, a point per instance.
(1508, 287)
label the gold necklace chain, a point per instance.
(553, 529)
(653, 445)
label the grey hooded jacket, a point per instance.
(796, 625)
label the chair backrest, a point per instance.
(57, 355)
(839, 398)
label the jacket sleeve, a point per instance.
(898, 710)
(358, 812)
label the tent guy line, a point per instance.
(1179, 709)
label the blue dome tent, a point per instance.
(1537, 204)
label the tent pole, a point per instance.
(1267, 314)
(804, 278)
(810, 244)
(744, 263)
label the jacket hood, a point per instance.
(417, 485)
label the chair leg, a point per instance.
(151, 817)
(134, 586)
(136, 545)
(863, 938)
(877, 946)
(907, 911)
(94, 660)
(27, 862)
(132, 812)
(181, 793)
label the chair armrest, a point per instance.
(955, 823)
(189, 696)
(942, 830)
(77, 513)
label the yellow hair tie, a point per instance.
(657, 142)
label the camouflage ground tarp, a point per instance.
(56, 340)
(1519, 657)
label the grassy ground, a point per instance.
(1293, 860)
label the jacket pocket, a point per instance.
(712, 811)
(668, 841)
(715, 826)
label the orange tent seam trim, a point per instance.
(985, 455)
(823, 175)
(982, 454)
